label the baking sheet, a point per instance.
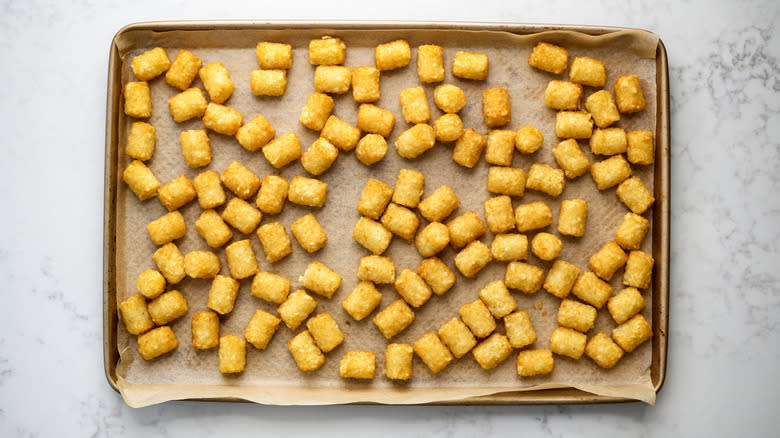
(271, 376)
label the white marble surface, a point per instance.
(723, 375)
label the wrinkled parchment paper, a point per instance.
(271, 376)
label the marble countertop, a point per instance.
(722, 375)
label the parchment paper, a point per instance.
(271, 376)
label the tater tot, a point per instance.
(498, 299)
(394, 318)
(587, 71)
(465, 228)
(546, 246)
(568, 342)
(634, 194)
(534, 363)
(135, 315)
(496, 107)
(222, 294)
(316, 111)
(561, 278)
(319, 157)
(205, 330)
(628, 94)
(305, 352)
(232, 354)
(625, 304)
(365, 84)
(167, 228)
(150, 283)
(283, 150)
(608, 141)
(430, 63)
(469, 65)
(449, 98)
(268, 82)
(432, 239)
(138, 100)
(320, 279)
(177, 193)
(415, 141)
(562, 95)
(433, 352)
(325, 331)
(272, 194)
(309, 233)
(275, 241)
(570, 158)
(398, 361)
(492, 351)
(607, 260)
(519, 329)
(478, 318)
(632, 231)
(270, 287)
(528, 139)
(261, 328)
(371, 149)
(610, 172)
(549, 57)
(201, 264)
(377, 269)
(256, 133)
(437, 275)
(327, 51)
(524, 277)
(414, 105)
(241, 215)
(140, 141)
(603, 350)
(332, 79)
(208, 187)
(392, 55)
(573, 217)
(217, 82)
(296, 308)
(310, 192)
(640, 149)
(157, 342)
(188, 104)
(447, 128)
(375, 120)
(546, 179)
(639, 269)
(408, 188)
(500, 147)
(506, 181)
(632, 333)
(221, 119)
(499, 214)
(439, 204)
(273, 55)
(576, 315)
(195, 147)
(362, 300)
(183, 70)
(170, 262)
(573, 124)
(140, 180)
(343, 135)
(509, 247)
(167, 307)
(457, 337)
(468, 148)
(532, 216)
(400, 221)
(358, 365)
(602, 108)
(241, 259)
(374, 198)
(372, 235)
(412, 288)
(591, 289)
